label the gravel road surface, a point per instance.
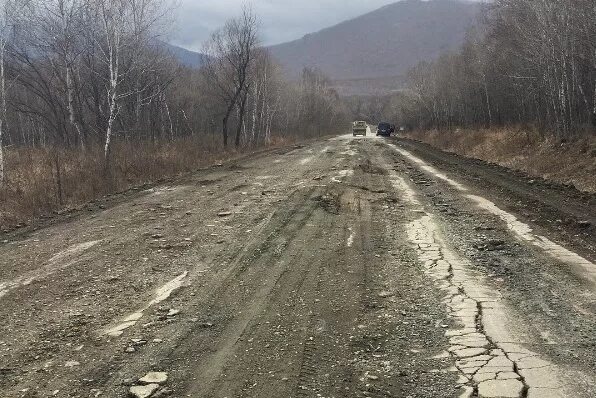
(347, 267)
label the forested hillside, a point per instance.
(531, 63)
(383, 43)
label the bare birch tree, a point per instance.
(124, 31)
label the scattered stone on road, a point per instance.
(154, 378)
(143, 391)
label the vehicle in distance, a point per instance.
(385, 129)
(359, 128)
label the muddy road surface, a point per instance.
(343, 268)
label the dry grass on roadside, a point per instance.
(572, 162)
(42, 181)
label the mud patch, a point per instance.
(524, 232)
(367, 167)
(330, 202)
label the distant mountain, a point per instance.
(186, 57)
(383, 43)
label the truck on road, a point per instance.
(359, 128)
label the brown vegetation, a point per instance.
(571, 162)
(43, 181)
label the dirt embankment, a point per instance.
(568, 163)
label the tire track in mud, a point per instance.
(259, 242)
(248, 270)
(339, 288)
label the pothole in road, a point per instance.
(329, 202)
(367, 167)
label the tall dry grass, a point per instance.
(572, 162)
(40, 182)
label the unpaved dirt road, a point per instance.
(344, 268)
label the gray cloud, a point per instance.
(281, 20)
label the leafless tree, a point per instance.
(531, 62)
(10, 15)
(230, 56)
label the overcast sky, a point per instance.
(281, 20)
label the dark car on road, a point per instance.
(385, 129)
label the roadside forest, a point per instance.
(91, 101)
(527, 63)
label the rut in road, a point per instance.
(492, 359)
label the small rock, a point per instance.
(154, 378)
(143, 391)
(224, 214)
(173, 312)
(164, 392)
(138, 342)
(129, 349)
(584, 224)
(385, 294)
(71, 364)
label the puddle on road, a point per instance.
(520, 229)
(162, 293)
(491, 360)
(57, 262)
